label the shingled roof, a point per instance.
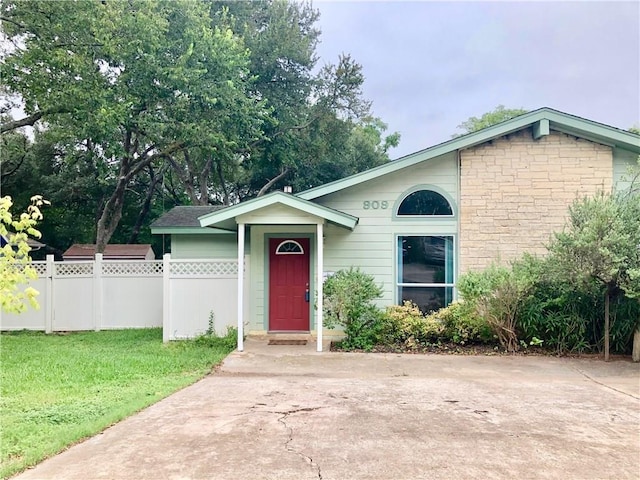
(184, 216)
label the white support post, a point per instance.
(166, 297)
(97, 292)
(240, 287)
(48, 313)
(319, 280)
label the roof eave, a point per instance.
(335, 217)
(542, 119)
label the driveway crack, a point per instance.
(287, 444)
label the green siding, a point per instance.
(205, 246)
(278, 215)
(372, 245)
(622, 161)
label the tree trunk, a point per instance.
(111, 215)
(146, 206)
(607, 299)
(635, 355)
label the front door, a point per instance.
(289, 284)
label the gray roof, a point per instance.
(185, 216)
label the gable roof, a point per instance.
(225, 218)
(184, 219)
(543, 120)
(86, 251)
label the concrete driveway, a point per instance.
(287, 412)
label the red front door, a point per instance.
(289, 284)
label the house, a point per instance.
(415, 223)
(80, 251)
(33, 244)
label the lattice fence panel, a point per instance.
(69, 269)
(216, 268)
(132, 269)
(40, 268)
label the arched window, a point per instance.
(289, 247)
(425, 202)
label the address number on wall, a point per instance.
(375, 205)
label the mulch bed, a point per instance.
(487, 350)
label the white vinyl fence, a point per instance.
(178, 295)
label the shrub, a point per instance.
(496, 294)
(461, 324)
(348, 302)
(405, 325)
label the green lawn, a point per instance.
(58, 389)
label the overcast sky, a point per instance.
(431, 65)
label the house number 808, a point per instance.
(375, 205)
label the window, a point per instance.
(289, 247)
(425, 202)
(426, 271)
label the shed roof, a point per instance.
(86, 251)
(542, 120)
(184, 219)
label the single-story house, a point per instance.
(86, 251)
(415, 223)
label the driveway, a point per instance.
(287, 412)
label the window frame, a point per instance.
(397, 259)
(418, 188)
(284, 242)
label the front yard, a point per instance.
(58, 389)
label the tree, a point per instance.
(601, 244)
(131, 83)
(500, 114)
(144, 104)
(15, 268)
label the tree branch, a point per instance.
(270, 183)
(31, 119)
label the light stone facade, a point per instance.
(515, 192)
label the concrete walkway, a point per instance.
(287, 412)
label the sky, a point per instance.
(429, 66)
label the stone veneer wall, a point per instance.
(515, 191)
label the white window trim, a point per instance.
(278, 252)
(454, 239)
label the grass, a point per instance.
(58, 389)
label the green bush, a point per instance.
(496, 295)
(406, 326)
(348, 302)
(462, 325)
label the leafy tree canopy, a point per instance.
(142, 104)
(500, 114)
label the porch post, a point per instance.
(240, 287)
(320, 278)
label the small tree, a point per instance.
(600, 243)
(15, 268)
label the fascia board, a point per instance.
(333, 216)
(558, 121)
